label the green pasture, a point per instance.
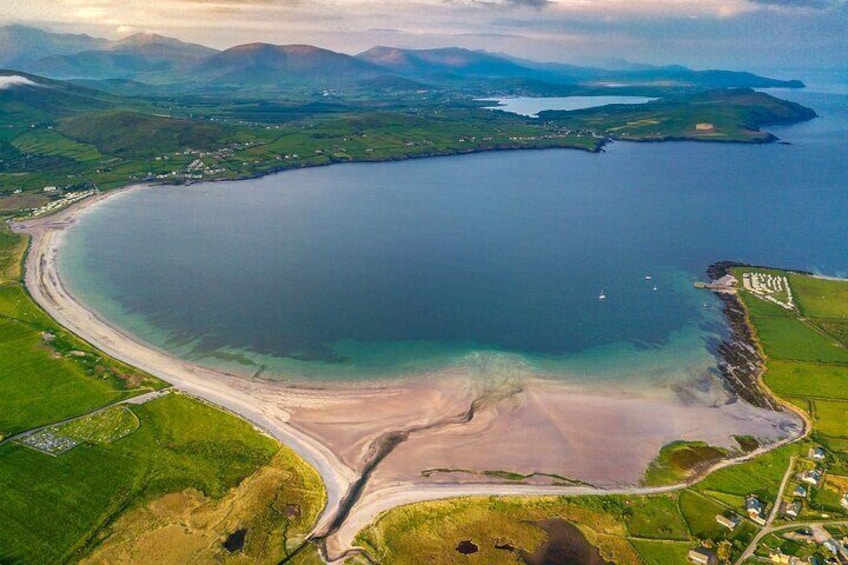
(820, 298)
(661, 552)
(50, 506)
(792, 339)
(807, 380)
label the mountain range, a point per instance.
(150, 59)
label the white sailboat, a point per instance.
(602, 296)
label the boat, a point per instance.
(602, 296)
(655, 287)
(648, 277)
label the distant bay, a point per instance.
(529, 106)
(492, 261)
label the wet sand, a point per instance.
(450, 420)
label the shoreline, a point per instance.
(42, 282)
(341, 430)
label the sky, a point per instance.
(756, 35)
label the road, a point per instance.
(772, 515)
(793, 526)
(135, 400)
(777, 501)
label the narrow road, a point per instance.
(793, 526)
(772, 515)
(777, 501)
(135, 400)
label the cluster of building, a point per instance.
(830, 551)
(49, 442)
(771, 288)
(807, 479)
(204, 165)
(66, 200)
(810, 475)
(559, 135)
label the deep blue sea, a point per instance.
(367, 270)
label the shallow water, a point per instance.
(492, 262)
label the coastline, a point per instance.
(43, 284)
(447, 420)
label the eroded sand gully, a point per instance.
(446, 429)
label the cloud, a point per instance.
(535, 4)
(803, 4)
(7, 82)
(530, 3)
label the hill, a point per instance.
(262, 64)
(173, 67)
(450, 62)
(136, 56)
(26, 99)
(21, 44)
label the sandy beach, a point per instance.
(448, 428)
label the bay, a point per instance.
(530, 106)
(493, 261)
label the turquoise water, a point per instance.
(490, 262)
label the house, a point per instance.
(756, 509)
(726, 280)
(792, 509)
(844, 501)
(778, 557)
(812, 477)
(819, 454)
(730, 522)
(831, 545)
(800, 492)
(702, 556)
(51, 188)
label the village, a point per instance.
(791, 531)
(771, 288)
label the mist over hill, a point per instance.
(174, 65)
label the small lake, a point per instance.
(492, 261)
(531, 106)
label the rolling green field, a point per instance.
(180, 443)
(75, 139)
(57, 509)
(47, 374)
(820, 298)
(666, 119)
(803, 366)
